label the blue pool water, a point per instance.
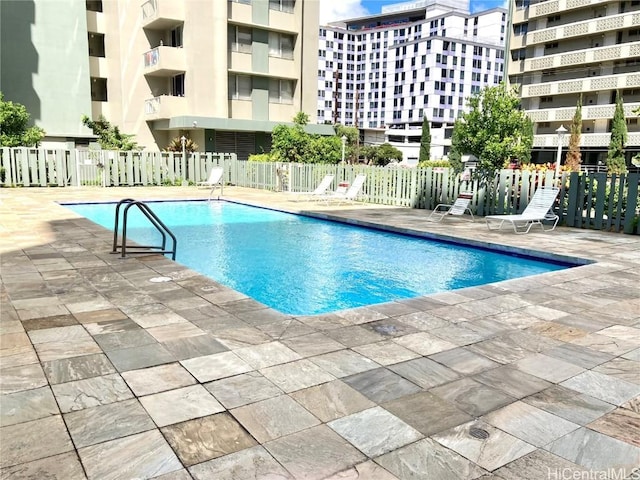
(303, 266)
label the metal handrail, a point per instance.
(156, 222)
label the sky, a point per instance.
(332, 10)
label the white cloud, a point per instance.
(332, 10)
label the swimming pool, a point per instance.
(303, 266)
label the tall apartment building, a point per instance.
(384, 73)
(563, 49)
(224, 72)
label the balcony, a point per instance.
(581, 29)
(162, 14)
(588, 113)
(586, 140)
(583, 57)
(164, 61)
(591, 84)
(544, 9)
(164, 106)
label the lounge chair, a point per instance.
(537, 211)
(214, 181)
(318, 193)
(350, 194)
(458, 209)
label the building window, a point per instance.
(280, 91)
(282, 5)
(94, 5)
(240, 39)
(281, 45)
(98, 89)
(240, 87)
(520, 29)
(96, 45)
(177, 85)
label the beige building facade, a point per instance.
(561, 50)
(223, 73)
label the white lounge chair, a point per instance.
(214, 181)
(318, 193)
(350, 195)
(458, 209)
(537, 211)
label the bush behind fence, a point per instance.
(587, 200)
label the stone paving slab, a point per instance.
(105, 374)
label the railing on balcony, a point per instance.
(547, 8)
(151, 57)
(149, 9)
(591, 84)
(152, 106)
(588, 113)
(586, 140)
(582, 57)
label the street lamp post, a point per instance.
(560, 131)
(183, 140)
(344, 144)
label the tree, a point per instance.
(294, 144)
(352, 133)
(573, 155)
(616, 162)
(494, 129)
(109, 136)
(381, 154)
(14, 129)
(425, 141)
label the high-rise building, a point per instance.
(562, 50)
(384, 73)
(222, 72)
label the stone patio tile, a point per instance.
(464, 361)
(357, 316)
(386, 353)
(175, 331)
(422, 321)
(569, 404)
(530, 424)
(126, 339)
(332, 400)
(315, 453)
(390, 327)
(107, 422)
(33, 440)
(267, 355)
(175, 475)
(605, 387)
(273, 418)
(424, 372)
(424, 343)
(27, 405)
(65, 466)
(504, 349)
(254, 462)
(112, 326)
(196, 346)
(66, 349)
(354, 335)
(157, 379)
(22, 377)
(492, 452)
(251, 309)
(368, 470)
(472, 397)
(242, 389)
(390, 432)
(140, 357)
(545, 313)
(633, 405)
(313, 344)
(427, 460)
(152, 315)
(43, 311)
(557, 331)
(586, 320)
(49, 322)
(285, 329)
(77, 368)
(516, 319)
(512, 381)
(622, 424)
(216, 366)
(549, 368)
(296, 375)
(393, 309)
(17, 357)
(344, 362)
(91, 392)
(621, 368)
(458, 334)
(456, 314)
(242, 337)
(99, 316)
(202, 439)
(582, 356)
(322, 322)
(381, 385)
(144, 455)
(180, 405)
(59, 334)
(10, 340)
(427, 412)
(602, 343)
(596, 451)
(540, 464)
(633, 355)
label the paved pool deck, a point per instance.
(107, 373)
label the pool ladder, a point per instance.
(141, 249)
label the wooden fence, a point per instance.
(586, 200)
